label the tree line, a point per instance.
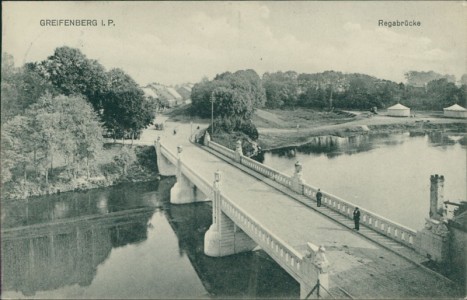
(332, 89)
(238, 94)
(59, 109)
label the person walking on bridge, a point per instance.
(356, 218)
(319, 195)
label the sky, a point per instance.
(176, 42)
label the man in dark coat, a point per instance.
(356, 218)
(319, 195)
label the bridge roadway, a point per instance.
(360, 267)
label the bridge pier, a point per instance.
(165, 167)
(224, 237)
(184, 191)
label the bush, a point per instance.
(146, 157)
(250, 130)
(232, 125)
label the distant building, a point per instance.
(169, 96)
(176, 96)
(165, 97)
(185, 92)
(455, 111)
(150, 93)
(399, 110)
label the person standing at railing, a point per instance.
(356, 218)
(319, 195)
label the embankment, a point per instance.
(270, 139)
(116, 164)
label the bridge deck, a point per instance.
(363, 268)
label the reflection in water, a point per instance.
(334, 146)
(125, 242)
(246, 275)
(65, 206)
(442, 139)
(56, 241)
(390, 173)
(62, 255)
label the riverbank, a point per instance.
(286, 135)
(116, 164)
(279, 128)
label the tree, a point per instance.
(230, 102)
(71, 72)
(420, 79)
(15, 150)
(443, 93)
(53, 127)
(464, 79)
(201, 96)
(21, 87)
(281, 89)
(245, 82)
(125, 110)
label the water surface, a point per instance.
(388, 174)
(125, 242)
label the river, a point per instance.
(130, 242)
(385, 173)
(125, 242)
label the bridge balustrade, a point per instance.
(288, 257)
(372, 220)
(302, 267)
(391, 229)
(223, 150)
(277, 176)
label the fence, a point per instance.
(391, 229)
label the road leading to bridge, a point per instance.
(362, 268)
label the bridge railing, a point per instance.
(277, 176)
(223, 150)
(288, 257)
(372, 220)
(391, 229)
(285, 255)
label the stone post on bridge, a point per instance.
(207, 138)
(433, 240)
(183, 190)
(315, 270)
(224, 237)
(238, 151)
(437, 210)
(297, 181)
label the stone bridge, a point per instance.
(254, 205)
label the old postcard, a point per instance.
(214, 149)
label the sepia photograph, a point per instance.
(233, 150)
